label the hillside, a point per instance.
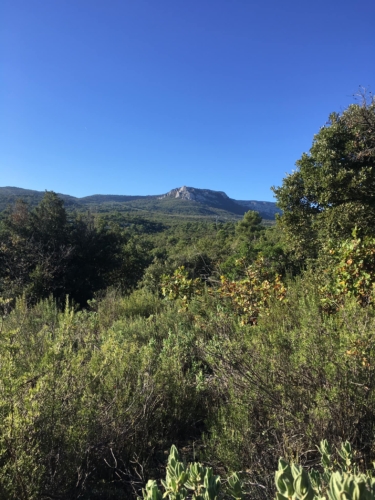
(181, 202)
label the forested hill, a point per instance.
(182, 201)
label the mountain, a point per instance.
(221, 200)
(217, 199)
(183, 201)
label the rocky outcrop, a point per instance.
(194, 194)
(220, 199)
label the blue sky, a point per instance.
(141, 96)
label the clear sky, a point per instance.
(141, 96)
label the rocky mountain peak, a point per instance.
(195, 194)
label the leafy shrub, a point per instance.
(351, 272)
(337, 479)
(294, 482)
(300, 375)
(84, 393)
(246, 298)
(250, 296)
(190, 481)
(180, 286)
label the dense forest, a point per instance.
(239, 342)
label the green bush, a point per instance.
(190, 481)
(299, 376)
(350, 271)
(84, 393)
(337, 479)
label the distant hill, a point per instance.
(221, 200)
(8, 195)
(183, 201)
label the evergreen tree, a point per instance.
(44, 252)
(333, 188)
(249, 225)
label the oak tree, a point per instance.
(333, 188)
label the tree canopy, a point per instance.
(333, 188)
(44, 252)
(250, 224)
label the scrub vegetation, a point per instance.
(136, 348)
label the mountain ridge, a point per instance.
(178, 200)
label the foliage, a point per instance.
(250, 296)
(332, 189)
(246, 298)
(250, 224)
(300, 375)
(179, 286)
(190, 481)
(338, 479)
(83, 393)
(45, 252)
(294, 482)
(351, 272)
(90, 399)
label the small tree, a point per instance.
(249, 225)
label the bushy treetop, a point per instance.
(333, 188)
